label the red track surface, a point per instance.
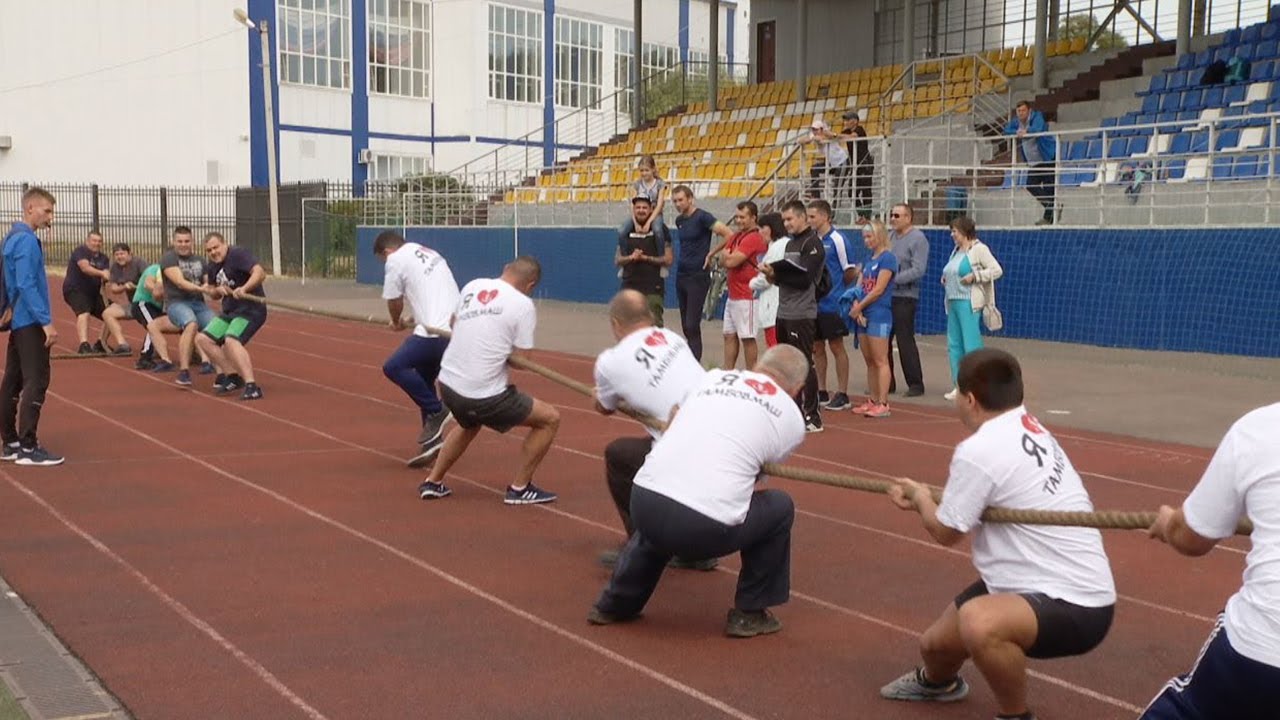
(217, 559)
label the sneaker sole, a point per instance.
(46, 463)
(424, 458)
(539, 501)
(433, 494)
(753, 633)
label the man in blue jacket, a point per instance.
(26, 369)
(1039, 150)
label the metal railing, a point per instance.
(1227, 171)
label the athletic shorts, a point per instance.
(1065, 629)
(501, 412)
(145, 312)
(184, 312)
(82, 302)
(831, 327)
(241, 325)
(740, 319)
(878, 326)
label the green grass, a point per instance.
(9, 708)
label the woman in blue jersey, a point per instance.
(969, 283)
(874, 317)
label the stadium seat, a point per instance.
(1170, 102)
(1213, 97)
(1264, 50)
(1249, 166)
(1227, 139)
(1193, 99)
(1250, 34)
(1138, 145)
(1151, 103)
(1232, 37)
(1176, 169)
(1235, 94)
(1180, 144)
(1157, 84)
(1222, 167)
(1177, 80)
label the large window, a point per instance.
(624, 74)
(579, 56)
(315, 42)
(390, 166)
(515, 54)
(400, 47)
(659, 57)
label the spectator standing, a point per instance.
(911, 248)
(775, 237)
(863, 163)
(968, 281)
(834, 162)
(831, 329)
(742, 257)
(872, 314)
(1039, 150)
(644, 255)
(694, 228)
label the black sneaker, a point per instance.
(39, 457)
(433, 428)
(528, 495)
(251, 392)
(122, 349)
(913, 392)
(839, 401)
(10, 452)
(85, 349)
(163, 366)
(428, 454)
(144, 364)
(600, 617)
(207, 368)
(219, 384)
(99, 348)
(743, 624)
(823, 397)
(814, 425)
(183, 379)
(432, 490)
(230, 383)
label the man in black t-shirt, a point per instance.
(122, 280)
(237, 278)
(82, 289)
(643, 257)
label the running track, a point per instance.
(212, 558)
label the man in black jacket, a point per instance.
(796, 276)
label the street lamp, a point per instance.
(269, 111)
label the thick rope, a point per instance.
(1102, 520)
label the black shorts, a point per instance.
(1065, 629)
(501, 412)
(831, 327)
(144, 313)
(82, 302)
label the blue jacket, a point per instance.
(1036, 124)
(25, 279)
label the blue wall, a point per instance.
(1205, 290)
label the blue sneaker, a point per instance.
(528, 495)
(251, 392)
(207, 369)
(184, 378)
(38, 456)
(10, 452)
(162, 367)
(430, 490)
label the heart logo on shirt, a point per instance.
(486, 295)
(655, 339)
(762, 388)
(1032, 425)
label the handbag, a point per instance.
(992, 318)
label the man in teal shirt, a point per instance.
(148, 310)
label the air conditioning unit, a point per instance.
(366, 156)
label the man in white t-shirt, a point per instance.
(422, 277)
(1237, 674)
(698, 494)
(493, 323)
(1044, 592)
(651, 370)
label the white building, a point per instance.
(170, 91)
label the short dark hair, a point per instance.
(121, 246)
(387, 240)
(965, 225)
(911, 212)
(527, 268)
(182, 230)
(773, 221)
(794, 206)
(821, 206)
(751, 208)
(994, 377)
(34, 193)
(1023, 103)
(214, 234)
(93, 232)
(682, 189)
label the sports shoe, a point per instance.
(813, 426)
(230, 383)
(706, 565)
(951, 396)
(609, 558)
(39, 457)
(433, 428)
(839, 401)
(428, 454)
(881, 410)
(913, 392)
(163, 366)
(219, 383)
(184, 378)
(600, 617)
(745, 624)
(864, 407)
(429, 490)
(122, 349)
(912, 688)
(251, 392)
(144, 364)
(207, 368)
(823, 397)
(10, 452)
(85, 349)
(99, 348)
(528, 495)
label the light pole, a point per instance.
(269, 111)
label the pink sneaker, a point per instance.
(864, 407)
(878, 411)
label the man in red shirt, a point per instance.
(740, 257)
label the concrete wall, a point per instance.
(840, 35)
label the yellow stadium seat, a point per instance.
(1025, 66)
(1077, 45)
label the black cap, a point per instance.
(641, 198)
(851, 115)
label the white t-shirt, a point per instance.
(422, 277)
(492, 319)
(1012, 461)
(767, 304)
(652, 369)
(1244, 479)
(710, 457)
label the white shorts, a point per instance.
(740, 318)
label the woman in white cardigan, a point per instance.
(969, 282)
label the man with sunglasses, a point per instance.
(911, 248)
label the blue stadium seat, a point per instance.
(1193, 100)
(1223, 53)
(1270, 30)
(1213, 97)
(1185, 62)
(1203, 58)
(1139, 144)
(1262, 71)
(1086, 175)
(1232, 37)
(1235, 94)
(1250, 34)
(1249, 166)
(1167, 117)
(1246, 50)
(1257, 107)
(1275, 90)
(1222, 167)
(1265, 50)
(1176, 169)
(1186, 115)
(1094, 149)
(1171, 102)
(1227, 138)
(1110, 122)
(1150, 103)
(1180, 144)
(1076, 150)
(1157, 84)
(1177, 81)
(1199, 142)
(1119, 148)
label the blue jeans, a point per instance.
(964, 332)
(184, 312)
(414, 367)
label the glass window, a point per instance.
(400, 47)
(314, 49)
(579, 55)
(515, 54)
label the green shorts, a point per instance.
(241, 326)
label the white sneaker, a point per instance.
(951, 396)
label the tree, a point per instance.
(1084, 26)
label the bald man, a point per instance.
(493, 324)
